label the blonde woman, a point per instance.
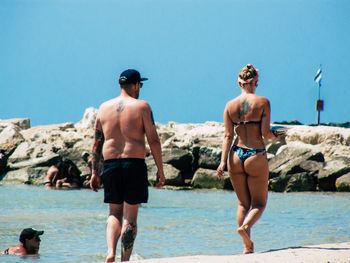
(247, 115)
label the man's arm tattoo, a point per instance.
(98, 134)
(97, 146)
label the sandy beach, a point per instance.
(325, 253)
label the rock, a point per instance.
(19, 176)
(278, 184)
(10, 137)
(190, 135)
(27, 175)
(37, 175)
(179, 158)
(294, 168)
(331, 172)
(86, 125)
(343, 183)
(294, 160)
(209, 157)
(164, 135)
(84, 145)
(57, 136)
(88, 120)
(28, 150)
(36, 162)
(172, 175)
(22, 152)
(289, 160)
(310, 166)
(44, 132)
(342, 125)
(301, 182)
(3, 162)
(273, 146)
(292, 122)
(22, 123)
(76, 156)
(206, 178)
(331, 141)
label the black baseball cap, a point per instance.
(29, 233)
(130, 76)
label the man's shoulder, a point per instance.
(143, 103)
(17, 250)
(107, 103)
(139, 105)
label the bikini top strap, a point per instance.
(246, 122)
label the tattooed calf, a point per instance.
(129, 236)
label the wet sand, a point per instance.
(325, 253)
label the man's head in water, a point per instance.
(30, 238)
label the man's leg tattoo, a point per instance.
(128, 237)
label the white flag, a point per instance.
(318, 75)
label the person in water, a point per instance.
(29, 243)
(120, 129)
(63, 174)
(247, 115)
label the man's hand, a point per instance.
(59, 183)
(221, 170)
(160, 181)
(95, 182)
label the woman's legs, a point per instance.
(239, 180)
(258, 174)
(250, 184)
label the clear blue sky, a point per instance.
(59, 57)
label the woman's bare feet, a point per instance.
(110, 258)
(248, 243)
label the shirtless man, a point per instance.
(29, 243)
(120, 129)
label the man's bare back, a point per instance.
(122, 122)
(120, 129)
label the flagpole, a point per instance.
(319, 99)
(319, 103)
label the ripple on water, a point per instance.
(172, 223)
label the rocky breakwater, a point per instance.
(306, 159)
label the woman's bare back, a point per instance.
(247, 113)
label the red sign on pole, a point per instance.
(319, 105)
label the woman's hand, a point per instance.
(221, 170)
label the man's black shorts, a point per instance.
(125, 180)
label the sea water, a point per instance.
(173, 222)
